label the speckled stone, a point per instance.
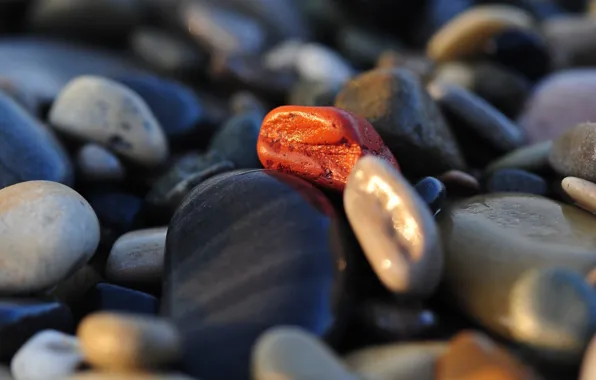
(406, 118)
(581, 191)
(48, 232)
(572, 154)
(237, 138)
(394, 227)
(433, 193)
(516, 181)
(531, 158)
(292, 353)
(100, 110)
(121, 342)
(49, 354)
(96, 163)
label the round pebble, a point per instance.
(572, 154)
(433, 193)
(517, 181)
(99, 164)
(581, 191)
(124, 342)
(460, 183)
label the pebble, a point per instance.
(281, 229)
(129, 376)
(572, 154)
(460, 183)
(320, 144)
(416, 63)
(569, 40)
(473, 356)
(395, 229)
(95, 163)
(466, 33)
(100, 110)
(433, 193)
(533, 158)
(28, 150)
(109, 297)
(121, 342)
(581, 191)
(136, 258)
(61, 235)
(398, 361)
(559, 102)
(313, 94)
(588, 367)
(517, 181)
(293, 353)
(49, 354)
(363, 46)
(237, 138)
(72, 289)
(116, 210)
(406, 118)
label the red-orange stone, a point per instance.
(320, 144)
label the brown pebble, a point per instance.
(460, 183)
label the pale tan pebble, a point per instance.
(466, 33)
(531, 158)
(401, 361)
(137, 257)
(588, 367)
(456, 73)
(126, 342)
(97, 163)
(128, 376)
(581, 191)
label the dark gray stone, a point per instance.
(237, 139)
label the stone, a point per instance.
(572, 153)
(483, 132)
(588, 369)
(292, 353)
(114, 298)
(48, 231)
(30, 102)
(20, 319)
(320, 144)
(433, 193)
(397, 361)
(363, 46)
(96, 163)
(569, 40)
(28, 150)
(89, 375)
(472, 355)
(237, 138)
(460, 183)
(394, 227)
(533, 158)
(406, 118)
(73, 288)
(581, 191)
(517, 181)
(99, 110)
(136, 258)
(49, 354)
(559, 102)
(122, 342)
(415, 62)
(245, 102)
(465, 34)
(512, 234)
(117, 210)
(5, 373)
(275, 266)
(175, 106)
(313, 94)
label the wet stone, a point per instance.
(237, 138)
(95, 163)
(433, 193)
(109, 297)
(572, 154)
(517, 181)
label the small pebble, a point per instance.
(572, 154)
(49, 354)
(117, 210)
(72, 289)
(236, 140)
(460, 183)
(517, 181)
(121, 342)
(433, 193)
(533, 158)
(95, 163)
(313, 94)
(110, 297)
(581, 191)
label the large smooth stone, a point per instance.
(292, 353)
(394, 227)
(96, 109)
(49, 354)
(572, 154)
(28, 150)
(511, 235)
(558, 103)
(47, 232)
(246, 251)
(406, 118)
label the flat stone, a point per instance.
(28, 150)
(99, 110)
(49, 354)
(406, 118)
(397, 361)
(96, 163)
(569, 40)
(237, 138)
(572, 154)
(559, 102)
(292, 353)
(287, 238)
(48, 232)
(531, 158)
(136, 258)
(394, 227)
(114, 298)
(472, 355)
(466, 33)
(121, 342)
(460, 183)
(581, 191)
(320, 144)
(433, 193)
(516, 181)
(512, 234)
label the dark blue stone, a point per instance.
(248, 250)
(115, 209)
(108, 297)
(175, 106)
(433, 192)
(237, 139)
(517, 181)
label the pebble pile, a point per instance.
(298, 190)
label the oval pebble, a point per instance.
(124, 342)
(433, 193)
(460, 183)
(533, 158)
(49, 354)
(99, 164)
(394, 227)
(48, 232)
(581, 191)
(572, 154)
(517, 181)
(100, 110)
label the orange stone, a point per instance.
(473, 356)
(319, 144)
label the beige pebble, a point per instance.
(466, 33)
(588, 367)
(531, 158)
(581, 191)
(137, 257)
(125, 342)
